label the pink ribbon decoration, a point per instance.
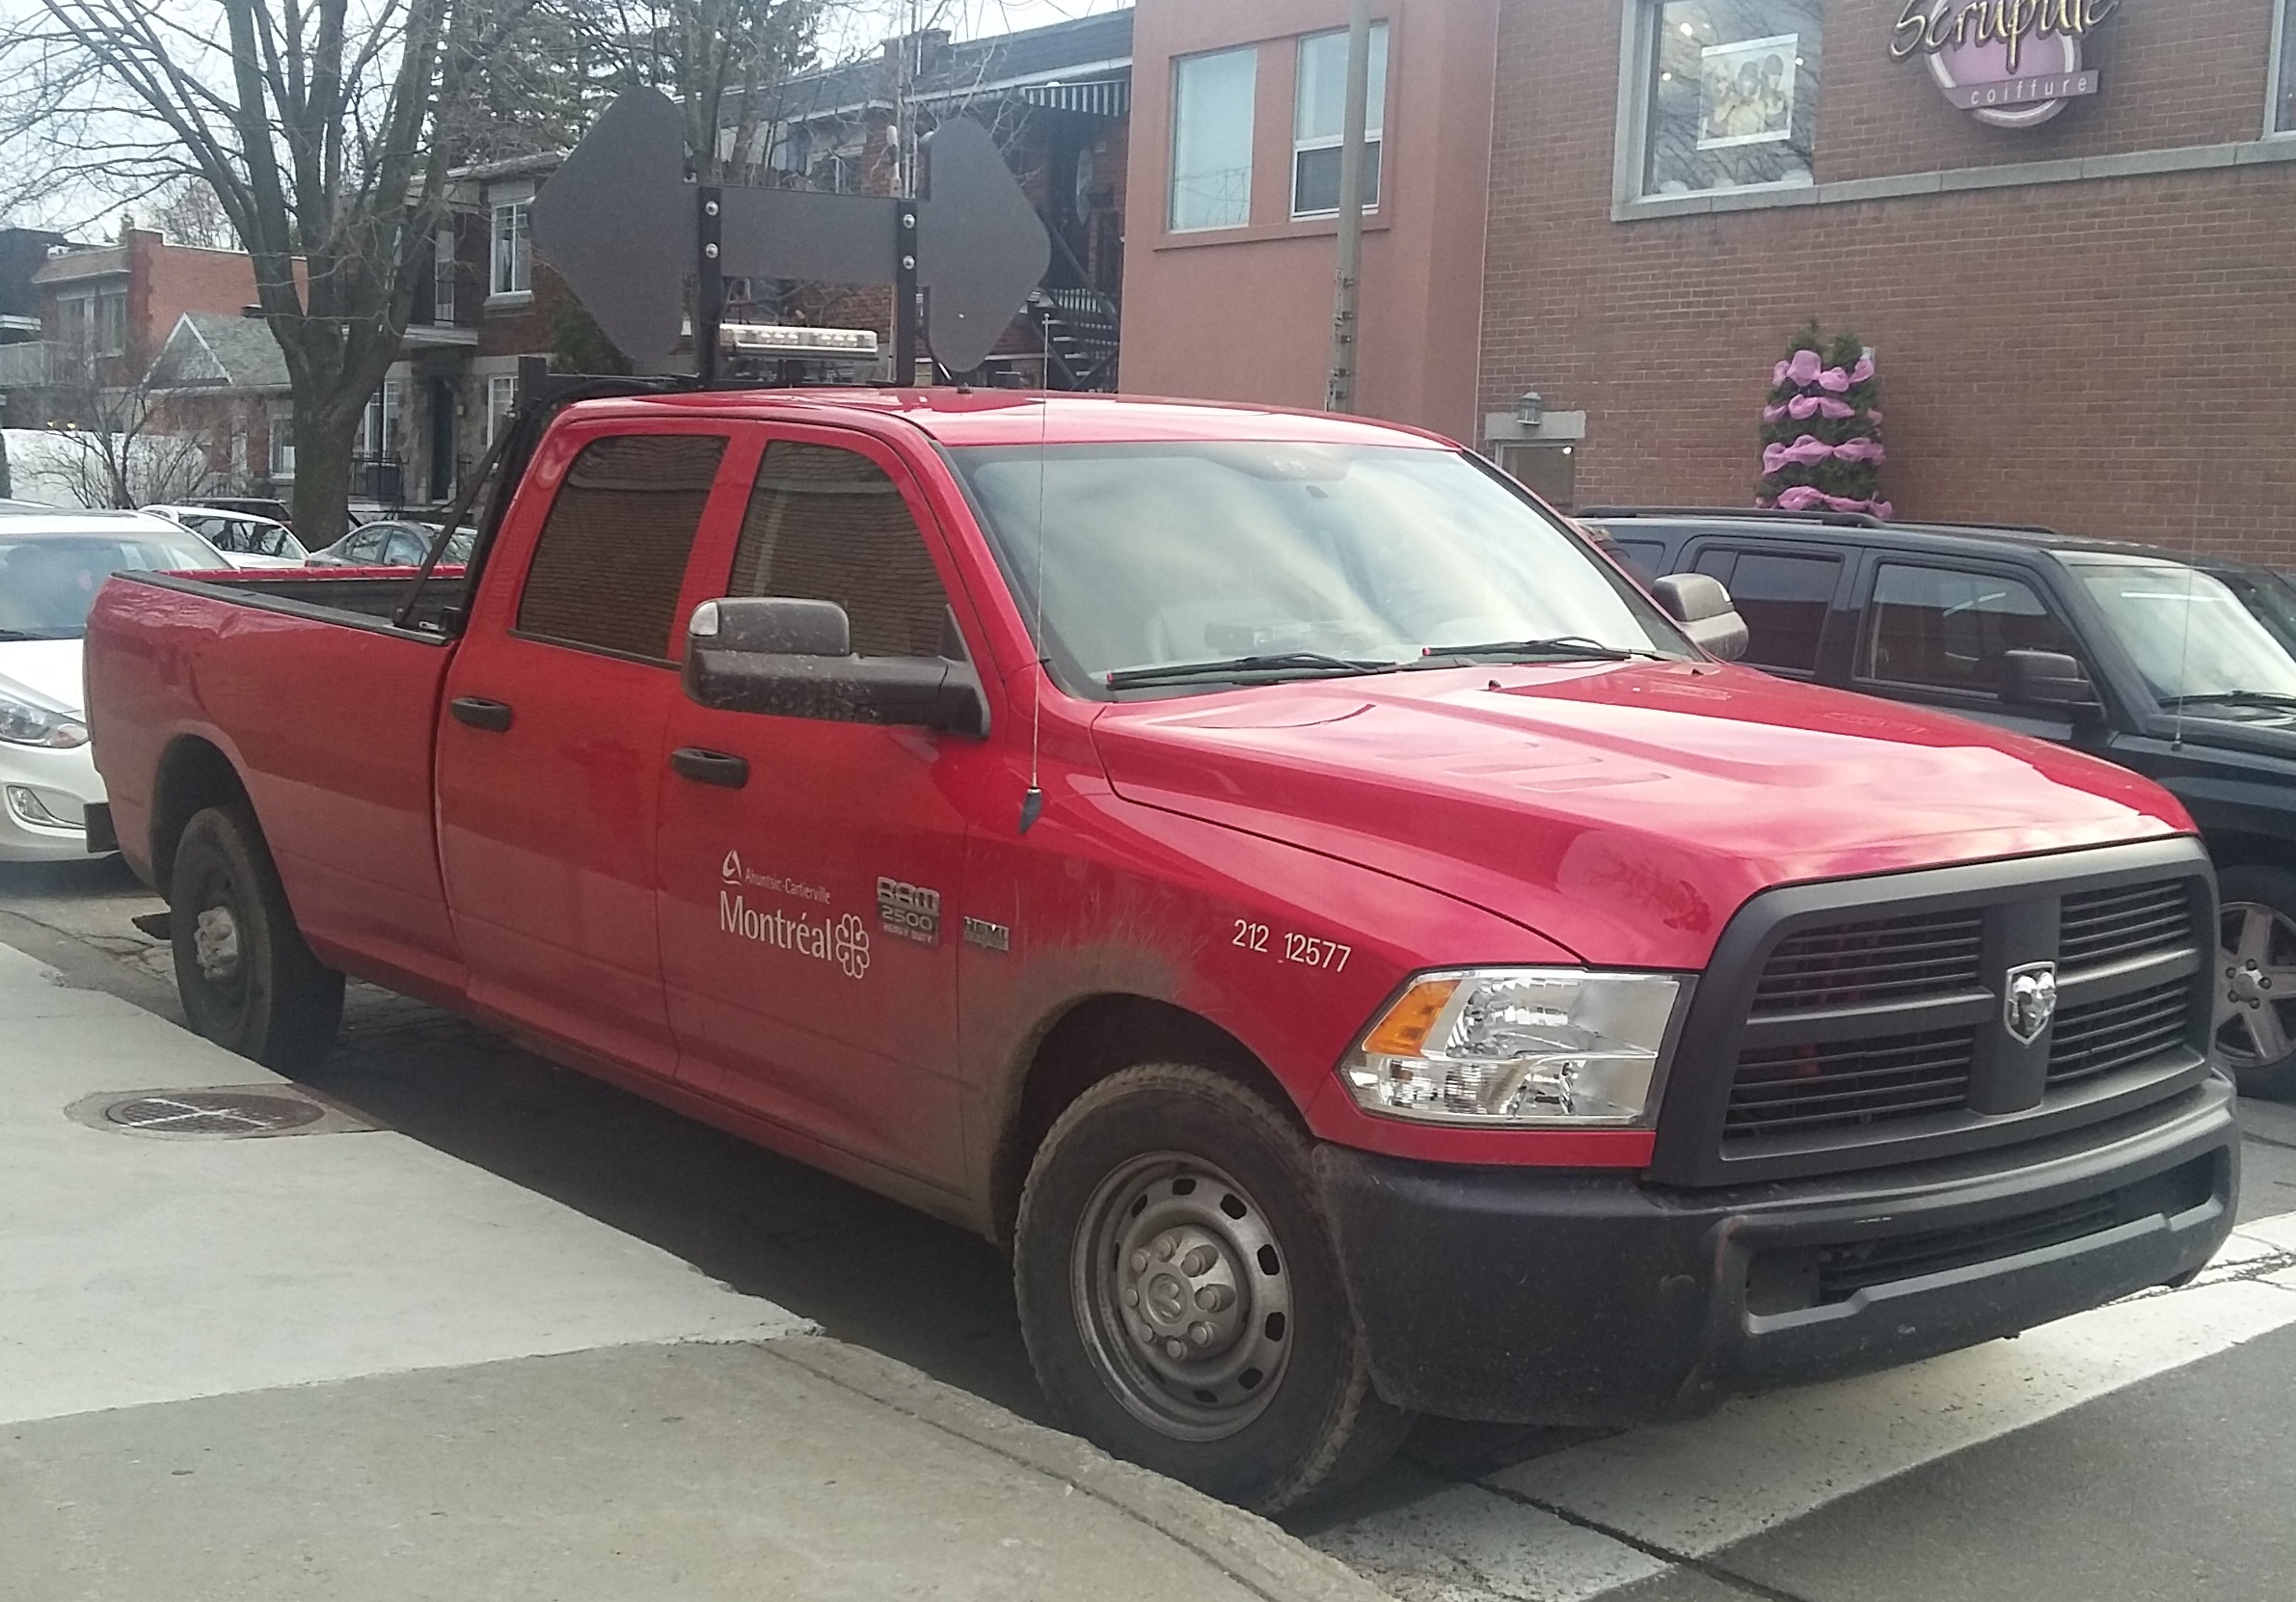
(1861, 451)
(1801, 497)
(1834, 379)
(1863, 372)
(1804, 367)
(1804, 407)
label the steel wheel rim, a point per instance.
(2256, 1018)
(1183, 1296)
(219, 944)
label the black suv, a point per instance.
(2181, 667)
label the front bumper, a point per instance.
(1542, 1296)
(44, 793)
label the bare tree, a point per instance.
(188, 213)
(124, 444)
(316, 129)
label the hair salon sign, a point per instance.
(2013, 62)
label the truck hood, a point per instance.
(1622, 810)
(50, 668)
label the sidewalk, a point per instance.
(332, 1363)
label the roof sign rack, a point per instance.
(626, 225)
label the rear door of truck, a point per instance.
(550, 755)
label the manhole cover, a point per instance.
(212, 1112)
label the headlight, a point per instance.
(24, 721)
(1518, 1048)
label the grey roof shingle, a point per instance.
(207, 350)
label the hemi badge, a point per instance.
(995, 936)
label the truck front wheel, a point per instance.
(2257, 1009)
(248, 981)
(1182, 1297)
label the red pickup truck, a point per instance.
(1348, 939)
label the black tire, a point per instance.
(2256, 972)
(247, 980)
(1224, 1195)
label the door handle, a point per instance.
(710, 767)
(480, 713)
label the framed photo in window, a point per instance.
(1745, 91)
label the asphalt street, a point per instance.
(2143, 1450)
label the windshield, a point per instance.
(48, 583)
(1271, 560)
(2194, 635)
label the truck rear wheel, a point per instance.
(1182, 1297)
(248, 981)
(2257, 1006)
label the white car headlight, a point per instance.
(27, 721)
(1519, 1047)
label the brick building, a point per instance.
(2073, 275)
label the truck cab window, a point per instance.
(826, 524)
(611, 556)
(1783, 599)
(1949, 628)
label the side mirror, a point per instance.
(1703, 607)
(2048, 681)
(789, 658)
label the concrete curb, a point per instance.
(1255, 1553)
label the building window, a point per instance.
(75, 324)
(1211, 140)
(513, 253)
(1319, 120)
(1550, 472)
(378, 427)
(442, 275)
(1732, 90)
(111, 323)
(501, 399)
(2284, 68)
(283, 442)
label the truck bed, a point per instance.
(360, 595)
(325, 709)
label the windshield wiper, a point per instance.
(2234, 698)
(1285, 663)
(1575, 647)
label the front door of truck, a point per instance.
(549, 765)
(809, 866)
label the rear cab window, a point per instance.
(610, 561)
(1946, 628)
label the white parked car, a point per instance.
(51, 565)
(246, 539)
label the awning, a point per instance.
(1096, 97)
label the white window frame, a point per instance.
(75, 323)
(1171, 163)
(283, 455)
(2275, 70)
(1638, 53)
(502, 397)
(442, 275)
(510, 282)
(1374, 121)
(378, 423)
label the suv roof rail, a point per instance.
(1837, 520)
(2041, 529)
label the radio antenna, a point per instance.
(2192, 577)
(1032, 805)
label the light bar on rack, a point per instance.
(790, 340)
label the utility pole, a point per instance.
(1339, 393)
